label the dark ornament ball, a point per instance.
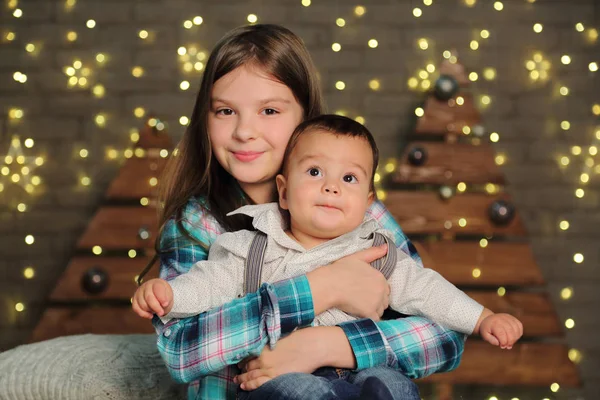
(417, 156)
(94, 280)
(446, 87)
(501, 212)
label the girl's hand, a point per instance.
(501, 330)
(304, 350)
(153, 297)
(352, 285)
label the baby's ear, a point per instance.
(282, 190)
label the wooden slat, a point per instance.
(534, 310)
(440, 118)
(62, 321)
(450, 163)
(426, 212)
(534, 364)
(500, 263)
(121, 272)
(133, 180)
(118, 227)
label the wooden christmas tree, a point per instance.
(94, 293)
(447, 193)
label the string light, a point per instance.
(340, 22)
(537, 28)
(578, 258)
(336, 47)
(252, 18)
(566, 293)
(498, 6)
(306, 3)
(28, 273)
(417, 12)
(90, 23)
(360, 11)
(373, 43)
(570, 323)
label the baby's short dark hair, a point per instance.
(335, 125)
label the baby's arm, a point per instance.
(208, 284)
(423, 291)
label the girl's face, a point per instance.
(251, 119)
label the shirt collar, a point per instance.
(268, 218)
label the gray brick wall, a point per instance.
(526, 115)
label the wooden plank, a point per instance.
(426, 212)
(442, 117)
(63, 321)
(133, 180)
(533, 364)
(450, 163)
(118, 227)
(534, 310)
(121, 272)
(499, 264)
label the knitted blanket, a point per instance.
(87, 367)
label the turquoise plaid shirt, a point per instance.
(203, 350)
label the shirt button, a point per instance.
(167, 333)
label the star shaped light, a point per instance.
(17, 168)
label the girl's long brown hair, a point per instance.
(192, 171)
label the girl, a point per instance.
(259, 83)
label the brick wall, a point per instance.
(525, 114)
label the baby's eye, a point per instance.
(350, 179)
(314, 172)
(225, 111)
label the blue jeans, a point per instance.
(379, 383)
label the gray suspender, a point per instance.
(256, 256)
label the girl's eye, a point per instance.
(270, 111)
(314, 172)
(225, 111)
(350, 179)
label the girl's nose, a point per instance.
(244, 130)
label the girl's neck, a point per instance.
(260, 193)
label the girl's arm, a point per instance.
(205, 343)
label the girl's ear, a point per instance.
(370, 198)
(282, 190)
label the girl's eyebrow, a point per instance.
(275, 100)
(263, 101)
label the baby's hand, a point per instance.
(154, 296)
(501, 330)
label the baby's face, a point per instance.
(328, 185)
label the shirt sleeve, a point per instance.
(413, 345)
(202, 344)
(209, 283)
(424, 292)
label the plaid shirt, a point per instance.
(203, 350)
